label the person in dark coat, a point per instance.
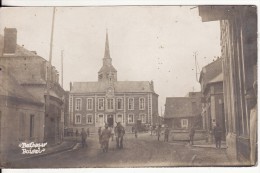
(88, 132)
(166, 134)
(217, 134)
(158, 132)
(191, 134)
(83, 138)
(105, 135)
(99, 136)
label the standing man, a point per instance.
(217, 135)
(159, 132)
(119, 133)
(166, 134)
(99, 136)
(136, 132)
(192, 133)
(105, 135)
(88, 132)
(83, 138)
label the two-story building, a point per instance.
(93, 104)
(211, 80)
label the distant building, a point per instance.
(211, 80)
(39, 78)
(181, 113)
(93, 104)
(238, 28)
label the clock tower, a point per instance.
(107, 73)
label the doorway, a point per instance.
(110, 120)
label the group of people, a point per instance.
(104, 136)
(217, 133)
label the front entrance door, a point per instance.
(110, 120)
(101, 122)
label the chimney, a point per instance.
(10, 40)
(151, 85)
(70, 86)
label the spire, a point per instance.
(107, 52)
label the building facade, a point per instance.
(238, 28)
(107, 101)
(39, 78)
(211, 80)
(181, 113)
(21, 116)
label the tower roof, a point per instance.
(107, 52)
(107, 60)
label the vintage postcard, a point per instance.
(128, 86)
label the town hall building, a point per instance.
(107, 101)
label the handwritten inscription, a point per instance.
(32, 148)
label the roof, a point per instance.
(211, 73)
(11, 88)
(181, 107)
(120, 86)
(106, 68)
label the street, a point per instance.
(144, 151)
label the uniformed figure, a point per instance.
(159, 132)
(105, 135)
(88, 132)
(83, 138)
(136, 132)
(119, 133)
(166, 134)
(191, 134)
(217, 134)
(99, 135)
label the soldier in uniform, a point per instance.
(83, 138)
(166, 134)
(99, 135)
(217, 135)
(191, 134)
(119, 133)
(105, 135)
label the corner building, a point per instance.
(93, 104)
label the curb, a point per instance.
(198, 146)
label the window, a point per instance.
(78, 104)
(78, 119)
(131, 118)
(89, 104)
(119, 118)
(141, 104)
(31, 126)
(22, 126)
(184, 123)
(143, 118)
(110, 104)
(100, 104)
(89, 119)
(131, 103)
(120, 104)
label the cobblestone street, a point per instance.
(144, 151)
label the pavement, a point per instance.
(204, 144)
(68, 143)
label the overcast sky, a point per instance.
(146, 43)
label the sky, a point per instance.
(146, 42)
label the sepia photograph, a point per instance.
(130, 86)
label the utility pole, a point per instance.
(52, 29)
(196, 65)
(62, 68)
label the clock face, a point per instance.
(109, 90)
